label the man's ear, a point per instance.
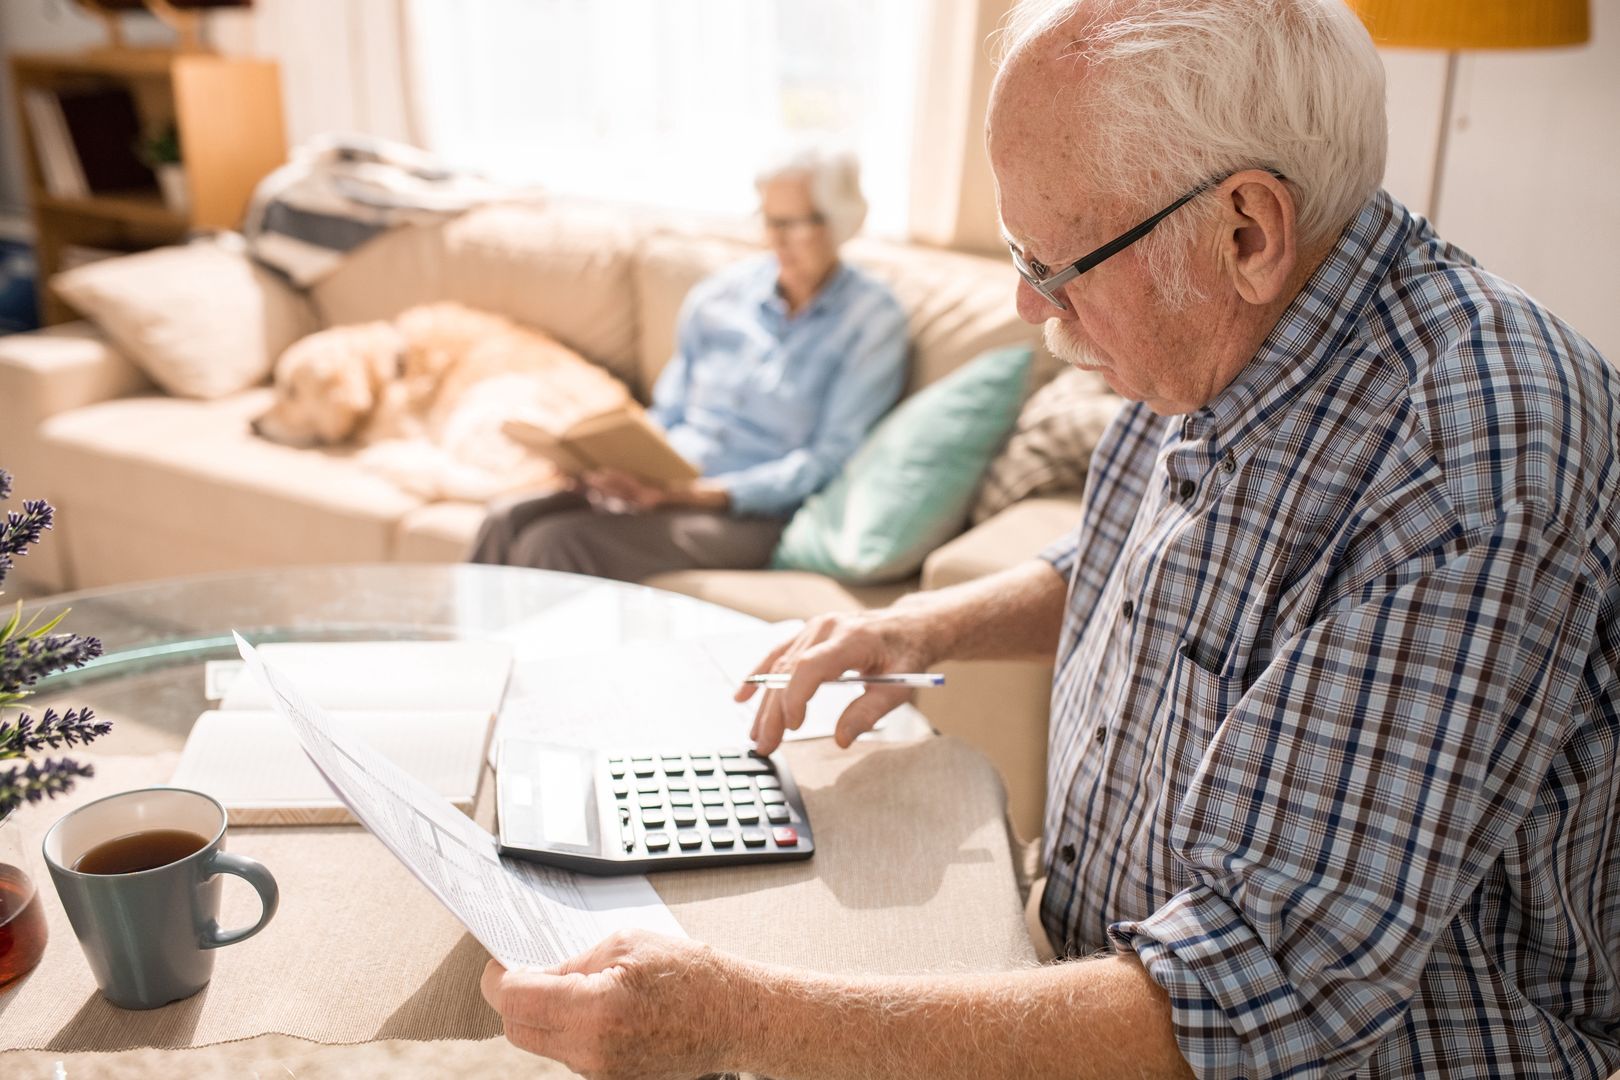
(1257, 239)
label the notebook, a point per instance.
(426, 705)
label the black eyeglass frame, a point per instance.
(1047, 282)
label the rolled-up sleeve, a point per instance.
(1357, 794)
(868, 382)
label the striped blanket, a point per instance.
(340, 191)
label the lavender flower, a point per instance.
(34, 781)
(52, 730)
(28, 653)
(19, 530)
(24, 661)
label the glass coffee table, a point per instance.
(150, 681)
(157, 637)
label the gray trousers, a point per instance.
(561, 531)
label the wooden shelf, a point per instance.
(121, 63)
(229, 117)
(145, 208)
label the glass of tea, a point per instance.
(138, 874)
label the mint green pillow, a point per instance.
(909, 487)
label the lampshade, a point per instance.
(1476, 24)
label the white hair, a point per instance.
(833, 176)
(1181, 92)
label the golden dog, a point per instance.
(426, 395)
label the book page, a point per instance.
(252, 762)
(628, 440)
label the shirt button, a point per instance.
(1188, 489)
(1128, 609)
(1102, 733)
(1069, 854)
(1229, 463)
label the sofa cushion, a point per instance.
(565, 268)
(441, 532)
(1017, 534)
(908, 488)
(1050, 447)
(774, 595)
(202, 320)
(161, 485)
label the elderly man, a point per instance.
(1337, 705)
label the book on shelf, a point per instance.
(58, 166)
(622, 438)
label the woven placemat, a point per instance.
(912, 873)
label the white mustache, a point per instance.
(1067, 349)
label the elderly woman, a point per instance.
(782, 364)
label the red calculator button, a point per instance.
(786, 837)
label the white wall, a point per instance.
(1532, 176)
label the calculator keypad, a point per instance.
(690, 804)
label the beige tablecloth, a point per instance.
(912, 873)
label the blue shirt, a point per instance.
(1336, 719)
(770, 406)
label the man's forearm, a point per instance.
(1015, 614)
(1090, 1018)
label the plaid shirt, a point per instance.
(1337, 710)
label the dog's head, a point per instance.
(327, 384)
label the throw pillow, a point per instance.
(908, 488)
(202, 321)
(1051, 444)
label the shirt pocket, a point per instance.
(1204, 694)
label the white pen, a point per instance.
(899, 678)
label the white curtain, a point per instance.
(669, 102)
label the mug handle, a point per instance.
(254, 872)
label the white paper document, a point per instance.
(525, 914)
(655, 695)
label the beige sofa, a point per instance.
(150, 486)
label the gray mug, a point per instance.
(150, 936)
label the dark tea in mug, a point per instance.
(140, 851)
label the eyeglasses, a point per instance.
(1049, 284)
(788, 224)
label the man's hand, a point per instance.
(829, 645)
(637, 1005)
(620, 489)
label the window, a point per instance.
(668, 102)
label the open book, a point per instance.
(622, 438)
(427, 706)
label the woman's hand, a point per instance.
(616, 489)
(637, 1005)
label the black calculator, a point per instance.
(632, 812)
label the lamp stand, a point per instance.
(1443, 142)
